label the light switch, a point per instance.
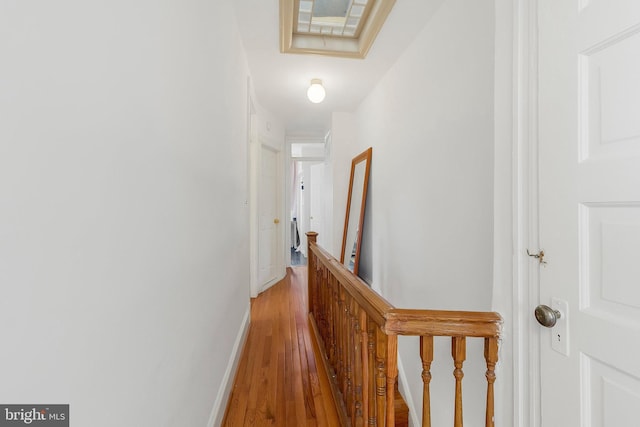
(560, 332)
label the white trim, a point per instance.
(516, 162)
(307, 137)
(285, 218)
(272, 282)
(217, 413)
(287, 201)
(526, 346)
(307, 159)
(254, 162)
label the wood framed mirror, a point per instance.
(356, 202)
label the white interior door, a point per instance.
(303, 205)
(268, 219)
(316, 197)
(589, 136)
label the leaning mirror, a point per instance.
(356, 200)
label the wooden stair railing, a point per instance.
(357, 333)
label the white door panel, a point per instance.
(589, 192)
(316, 209)
(268, 225)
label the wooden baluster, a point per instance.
(372, 370)
(315, 299)
(315, 291)
(340, 341)
(327, 303)
(426, 354)
(344, 344)
(355, 364)
(321, 319)
(458, 351)
(335, 323)
(319, 306)
(356, 418)
(349, 339)
(355, 352)
(336, 328)
(326, 306)
(314, 286)
(315, 294)
(337, 335)
(312, 236)
(364, 367)
(336, 331)
(328, 297)
(381, 384)
(491, 356)
(392, 376)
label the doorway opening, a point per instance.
(307, 209)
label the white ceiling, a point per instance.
(280, 81)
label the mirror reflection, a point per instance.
(356, 201)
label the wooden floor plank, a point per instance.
(278, 381)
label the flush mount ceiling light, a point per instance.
(316, 92)
(345, 28)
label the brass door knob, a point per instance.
(276, 221)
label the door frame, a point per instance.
(303, 238)
(258, 143)
(317, 188)
(289, 140)
(516, 276)
(525, 216)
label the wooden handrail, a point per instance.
(440, 323)
(357, 331)
(374, 304)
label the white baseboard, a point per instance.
(272, 282)
(406, 393)
(219, 407)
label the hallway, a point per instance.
(277, 381)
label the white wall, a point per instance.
(268, 128)
(328, 187)
(343, 148)
(123, 222)
(430, 123)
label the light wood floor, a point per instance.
(278, 381)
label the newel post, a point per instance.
(312, 236)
